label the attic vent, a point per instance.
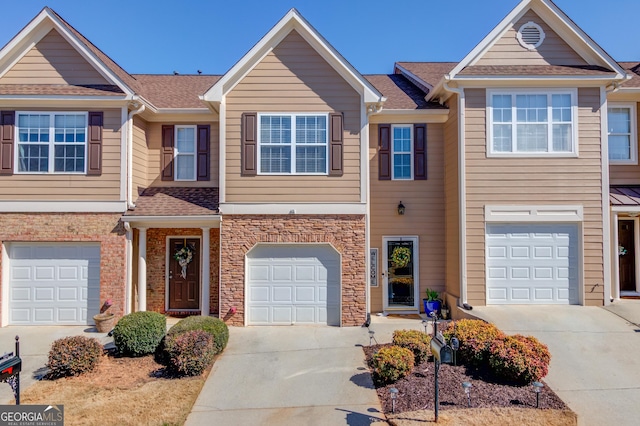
(530, 35)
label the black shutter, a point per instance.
(166, 154)
(420, 151)
(384, 151)
(204, 156)
(249, 144)
(336, 136)
(94, 165)
(7, 127)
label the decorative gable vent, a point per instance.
(530, 35)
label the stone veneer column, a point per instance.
(206, 260)
(142, 270)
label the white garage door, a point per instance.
(53, 284)
(293, 285)
(532, 264)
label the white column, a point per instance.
(142, 270)
(206, 261)
(129, 278)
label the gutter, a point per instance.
(138, 110)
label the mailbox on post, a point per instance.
(441, 351)
(9, 366)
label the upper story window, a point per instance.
(623, 145)
(185, 153)
(532, 123)
(402, 147)
(51, 142)
(293, 144)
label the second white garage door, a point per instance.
(532, 264)
(289, 285)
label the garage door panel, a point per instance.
(282, 294)
(306, 273)
(44, 273)
(43, 315)
(305, 294)
(44, 294)
(70, 273)
(282, 273)
(306, 314)
(260, 294)
(20, 294)
(282, 314)
(497, 294)
(70, 294)
(260, 314)
(259, 272)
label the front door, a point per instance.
(184, 274)
(401, 273)
(627, 255)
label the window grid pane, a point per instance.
(311, 159)
(401, 152)
(619, 119)
(275, 159)
(33, 158)
(185, 167)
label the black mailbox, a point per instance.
(441, 352)
(10, 367)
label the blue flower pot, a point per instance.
(431, 306)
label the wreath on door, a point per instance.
(401, 256)
(184, 256)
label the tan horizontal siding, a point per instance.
(424, 215)
(53, 61)
(534, 181)
(140, 155)
(452, 205)
(154, 141)
(73, 187)
(626, 174)
(553, 50)
(293, 78)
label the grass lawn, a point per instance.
(486, 417)
(122, 391)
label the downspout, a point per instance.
(138, 110)
(462, 194)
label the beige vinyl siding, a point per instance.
(140, 156)
(553, 50)
(154, 141)
(73, 187)
(53, 61)
(451, 200)
(424, 214)
(293, 78)
(535, 181)
(620, 174)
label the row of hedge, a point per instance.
(187, 349)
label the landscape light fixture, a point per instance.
(372, 337)
(425, 323)
(401, 208)
(537, 388)
(394, 395)
(467, 390)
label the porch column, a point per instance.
(615, 259)
(142, 270)
(206, 261)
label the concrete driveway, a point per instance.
(293, 376)
(595, 356)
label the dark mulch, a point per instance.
(416, 391)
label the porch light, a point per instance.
(394, 396)
(401, 208)
(537, 388)
(467, 390)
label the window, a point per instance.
(293, 144)
(622, 133)
(185, 153)
(402, 149)
(51, 142)
(532, 123)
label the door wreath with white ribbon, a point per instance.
(184, 256)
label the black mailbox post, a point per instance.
(441, 353)
(10, 367)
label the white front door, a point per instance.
(400, 269)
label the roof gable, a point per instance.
(46, 25)
(290, 22)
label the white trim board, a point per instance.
(532, 213)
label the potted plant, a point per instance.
(432, 302)
(105, 321)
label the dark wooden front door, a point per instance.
(627, 261)
(184, 292)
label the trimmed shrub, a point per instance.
(391, 363)
(475, 338)
(214, 326)
(72, 356)
(520, 359)
(414, 340)
(190, 352)
(139, 333)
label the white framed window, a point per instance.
(402, 152)
(293, 144)
(185, 153)
(51, 142)
(532, 123)
(622, 133)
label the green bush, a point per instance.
(190, 352)
(475, 337)
(416, 341)
(139, 333)
(391, 363)
(214, 326)
(520, 359)
(72, 356)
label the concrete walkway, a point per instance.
(294, 376)
(595, 364)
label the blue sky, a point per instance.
(160, 36)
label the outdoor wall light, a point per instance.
(401, 208)
(467, 390)
(537, 388)
(394, 395)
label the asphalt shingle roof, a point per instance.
(178, 201)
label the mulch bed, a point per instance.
(416, 391)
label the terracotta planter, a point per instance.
(104, 322)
